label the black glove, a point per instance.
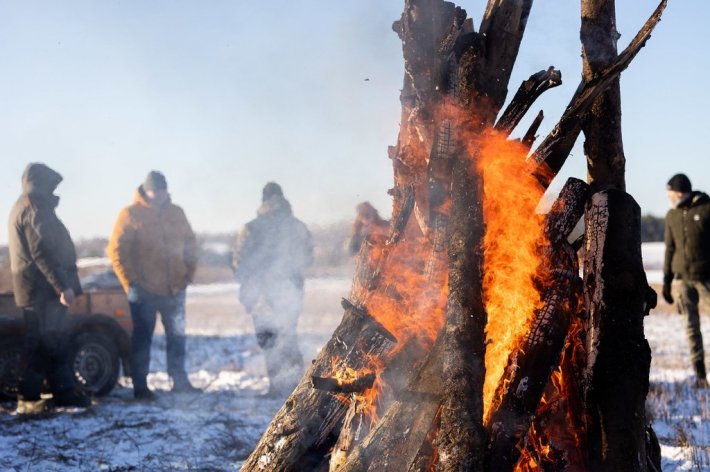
(667, 293)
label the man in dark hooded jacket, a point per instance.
(44, 274)
(686, 268)
(270, 258)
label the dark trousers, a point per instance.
(689, 295)
(46, 350)
(172, 314)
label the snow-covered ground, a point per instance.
(217, 429)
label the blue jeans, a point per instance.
(172, 314)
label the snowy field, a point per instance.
(217, 429)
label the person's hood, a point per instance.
(40, 180)
(275, 205)
(142, 199)
(695, 198)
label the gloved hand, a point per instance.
(133, 294)
(667, 293)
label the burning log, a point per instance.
(305, 428)
(356, 426)
(531, 364)
(394, 443)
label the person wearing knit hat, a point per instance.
(154, 254)
(686, 266)
(270, 258)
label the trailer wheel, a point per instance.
(10, 353)
(95, 362)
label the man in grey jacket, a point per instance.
(45, 280)
(270, 258)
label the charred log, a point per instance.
(462, 437)
(526, 95)
(603, 144)
(336, 385)
(502, 26)
(619, 358)
(567, 210)
(305, 428)
(355, 427)
(531, 365)
(395, 442)
(400, 220)
(531, 133)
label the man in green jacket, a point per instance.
(45, 280)
(686, 268)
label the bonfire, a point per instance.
(472, 338)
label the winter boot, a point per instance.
(34, 406)
(144, 395)
(71, 398)
(182, 385)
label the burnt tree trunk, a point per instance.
(618, 297)
(603, 143)
(616, 290)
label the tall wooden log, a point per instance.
(603, 144)
(462, 437)
(550, 155)
(618, 297)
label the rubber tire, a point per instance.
(10, 352)
(95, 362)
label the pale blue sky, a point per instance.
(223, 96)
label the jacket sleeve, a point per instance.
(190, 249)
(243, 254)
(670, 250)
(120, 249)
(43, 248)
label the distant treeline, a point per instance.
(652, 228)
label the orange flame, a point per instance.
(511, 258)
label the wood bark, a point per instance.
(305, 428)
(618, 356)
(462, 437)
(617, 293)
(603, 145)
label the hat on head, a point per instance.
(272, 189)
(155, 181)
(680, 183)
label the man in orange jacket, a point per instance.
(154, 254)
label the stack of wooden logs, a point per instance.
(589, 332)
